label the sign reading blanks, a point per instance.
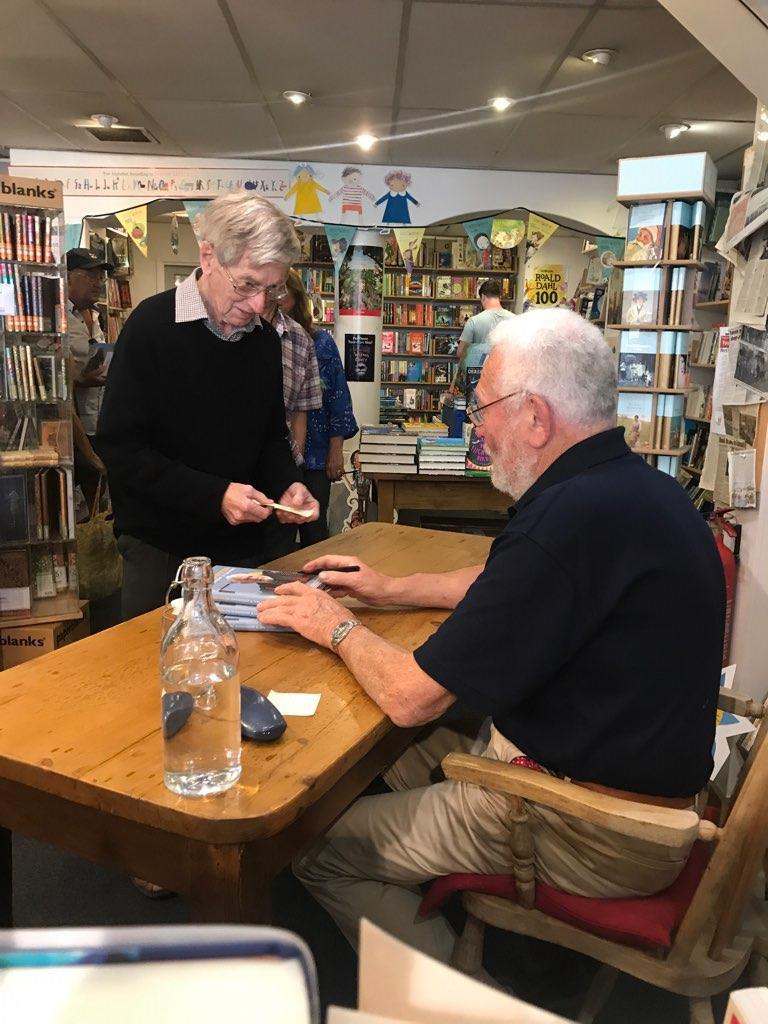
(30, 192)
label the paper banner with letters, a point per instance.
(339, 240)
(540, 230)
(608, 251)
(507, 234)
(135, 223)
(546, 286)
(193, 208)
(409, 243)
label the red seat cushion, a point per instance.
(645, 921)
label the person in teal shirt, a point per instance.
(473, 343)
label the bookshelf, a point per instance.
(424, 312)
(38, 563)
(115, 302)
(661, 270)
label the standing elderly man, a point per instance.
(193, 428)
(568, 637)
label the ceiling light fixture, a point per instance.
(295, 97)
(366, 141)
(762, 136)
(598, 56)
(105, 120)
(500, 103)
(671, 131)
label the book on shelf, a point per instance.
(388, 342)
(14, 521)
(679, 234)
(635, 414)
(669, 464)
(641, 303)
(444, 315)
(445, 345)
(668, 422)
(698, 222)
(704, 347)
(416, 343)
(28, 237)
(15, 589)
(698, 405)
(637, 359)
(682, 360)
(38, 300)
(645, 233)
(441, 373)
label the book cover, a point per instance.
(15, 592)
(13, 507)
(441, 373)
(443, 315)
(388, 342)
(445, 345)
(442, 287)
(233, 585)
(640, 304)
(635, 415)
(478, 461)
(645, 233)
(665, 376)
(416, 344)
(414, 371)
(682, 361)
(680, 228)
(637, 359)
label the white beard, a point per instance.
(515, 474)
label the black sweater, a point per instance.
(184, 415)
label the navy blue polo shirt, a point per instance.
(594, 634)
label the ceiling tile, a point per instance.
(215, 129)
(561, 142)
(19, 129)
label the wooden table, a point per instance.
(472, 493)
(81, 749)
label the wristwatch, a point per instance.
(341, 631)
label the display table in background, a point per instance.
(469, 493)
(81, 748)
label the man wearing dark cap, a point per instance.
(85, 278)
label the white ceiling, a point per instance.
(206, 78)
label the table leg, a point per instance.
(6, 878)
(231, 884)
(386, 490)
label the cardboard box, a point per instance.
(22, 643)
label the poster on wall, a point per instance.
(546, 286)
(359, 356)
(361, 281)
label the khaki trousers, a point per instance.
(373, 860)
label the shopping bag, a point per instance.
(99, 565)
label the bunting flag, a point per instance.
(608, 251)
(135, 224)
(507, 234)
(409, 243)
(193, 207)
(72, 233)
(479, 234)
(339, 239)
(540, 230)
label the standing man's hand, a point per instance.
(334, 463)
(244, 504)
(297, 496)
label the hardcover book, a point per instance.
(635, 415)
(680, 230)
(637, 359)
(15, 592)
(665, 377)
(640, 304)
(238, 586)
(645, 233)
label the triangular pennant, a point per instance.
(608, 251)
(339, 239)
(409, 243)
(72, 233)
(540, 230)
(507, 234)
(193, 208)
(479, 234)
(135, 223)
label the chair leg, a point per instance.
(468, 949)
(700, 1010)
(598, 994)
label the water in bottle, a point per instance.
(200, 691)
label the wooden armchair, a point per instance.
(688, 939)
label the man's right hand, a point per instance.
(244, 504)
(366, 585)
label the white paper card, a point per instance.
(296, 704)
(7, 299)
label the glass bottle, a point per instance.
(199, 669)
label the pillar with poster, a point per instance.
(358, 330)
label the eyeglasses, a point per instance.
(475, 411)
(271, 292)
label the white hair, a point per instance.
(562, 357)
(241, 224)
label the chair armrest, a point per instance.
(739, 704)
(665, 826)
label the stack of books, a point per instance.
(237, 592)
(387, 448)
(442, 456)
(429, 428)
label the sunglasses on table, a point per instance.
(475, 411)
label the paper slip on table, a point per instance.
(81, 748)
(443, 493)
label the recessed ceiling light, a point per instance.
(296, 97)
(105, 120)
(366, 141)
(598, 56)
(762, 136)
(671, 131)
(501, 103)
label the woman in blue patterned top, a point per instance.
(329, 427)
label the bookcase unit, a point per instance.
(38, 563)
(115, 302)
(424, 312)
(654, 316)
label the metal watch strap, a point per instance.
(341, 631)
